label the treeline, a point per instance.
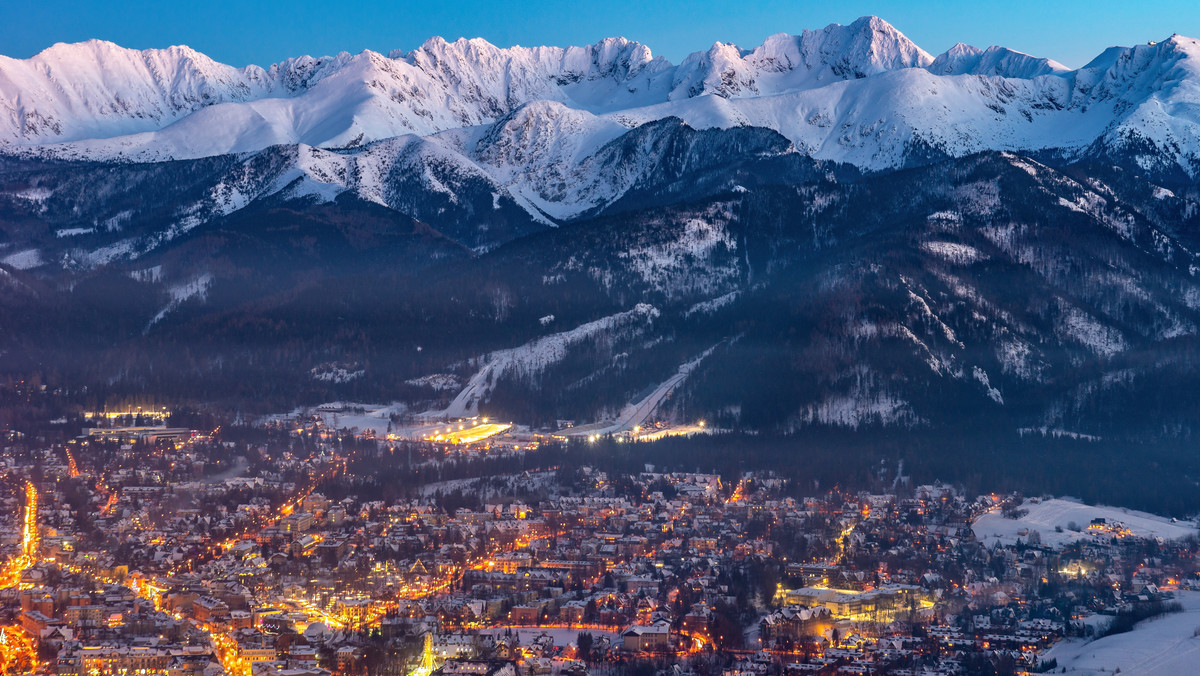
(1155, 477)
(1159, 477)
(1125, 620)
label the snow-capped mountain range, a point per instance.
(534, 121)
(854, 231)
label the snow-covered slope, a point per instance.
(536, 152)
(1062, 521)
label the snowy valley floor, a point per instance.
(1165, 646)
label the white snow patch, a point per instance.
(1057, 433)
(928, 313)
(151, 275)
(685, 264)
(959, 254)
(1191, 297)
(438, 381)
(861, 328)
(36, 195)
(197, 287)
(711, 305)
(359, 417)
(1022, 164)
(945, 217)
(118, 221)
(858, 408)
(126, 248)
(1082, 328)
(901, 331)
(1086, 204)
(1016, 359)
(335, 374)
(73, 232)
(982, 377)
(23, 260)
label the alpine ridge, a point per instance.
(862, 94)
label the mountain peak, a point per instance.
(871, 24)
(866, 47)
(890, 45)
(1182, 44)
(963, 49)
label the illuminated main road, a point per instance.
(11, 574)
(18, 653)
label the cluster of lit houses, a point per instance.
(147, 564)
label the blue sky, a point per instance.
(241, 32)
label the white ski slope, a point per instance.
(637, 413)
(532, 357)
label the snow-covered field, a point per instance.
(1165, 646)
(374, 417)
(1045, 516)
